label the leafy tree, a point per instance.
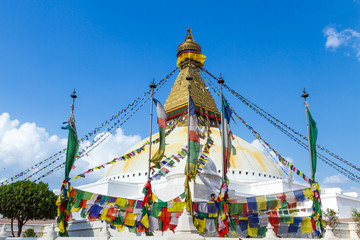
(29, 233)
(331, 218)
(356, 216)
(25, 200)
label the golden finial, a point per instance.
(188, 44)
(189, 37)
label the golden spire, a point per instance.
(188, 44)
(189, 37)
(176, 103)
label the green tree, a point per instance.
(356, 216)
(331, 218)
(25, 200)
(29, 233)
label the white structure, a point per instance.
(251, 173)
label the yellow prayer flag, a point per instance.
(306, 225)
(252, 231)
(308, 193)
(145, 221)
(58, 201)
(120, 228)
(213, 215)
(130, 219)
(177, 207)
(121, 202)
(61, 226)
(75, 209)
(103, 215)
(261, 203)
(200, 224)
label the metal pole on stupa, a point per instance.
(65, 203)
(306, 95)
(316, 216)
(189, 79)
(152, 86)
(221, 82)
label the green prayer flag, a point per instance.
(72, 146)
(313, 132)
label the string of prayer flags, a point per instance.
(99, 140)
(113, 161)
(167, 164)
(205, 153)
(251, 215)
(280, 212)
(223, 220)
(327, 161)
(149, 199)
(138, 216)
(64, 204)
(262, 113)
(56, 156)
(126, 156)
(316, 217)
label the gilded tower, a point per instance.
(189, 61)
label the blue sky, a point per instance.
(110, 51)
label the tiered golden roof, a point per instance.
(177, 101)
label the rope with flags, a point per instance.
(111, 129)
(124, 157)
(248, 215)
(266, 115)
(216, 91)
(280, 158)
(326, 160)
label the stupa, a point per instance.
(251, 173)
(248, 165)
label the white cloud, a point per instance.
(25, 144)
(348, 38)
(335, 179)
(114, 146)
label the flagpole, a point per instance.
(305, 95)
(189, 79)
(221, 82)
(152, 86)
(73, 95)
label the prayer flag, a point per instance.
(194, 141)
(72, 146)
(313, 132)
(156, 159)
(227, 135)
